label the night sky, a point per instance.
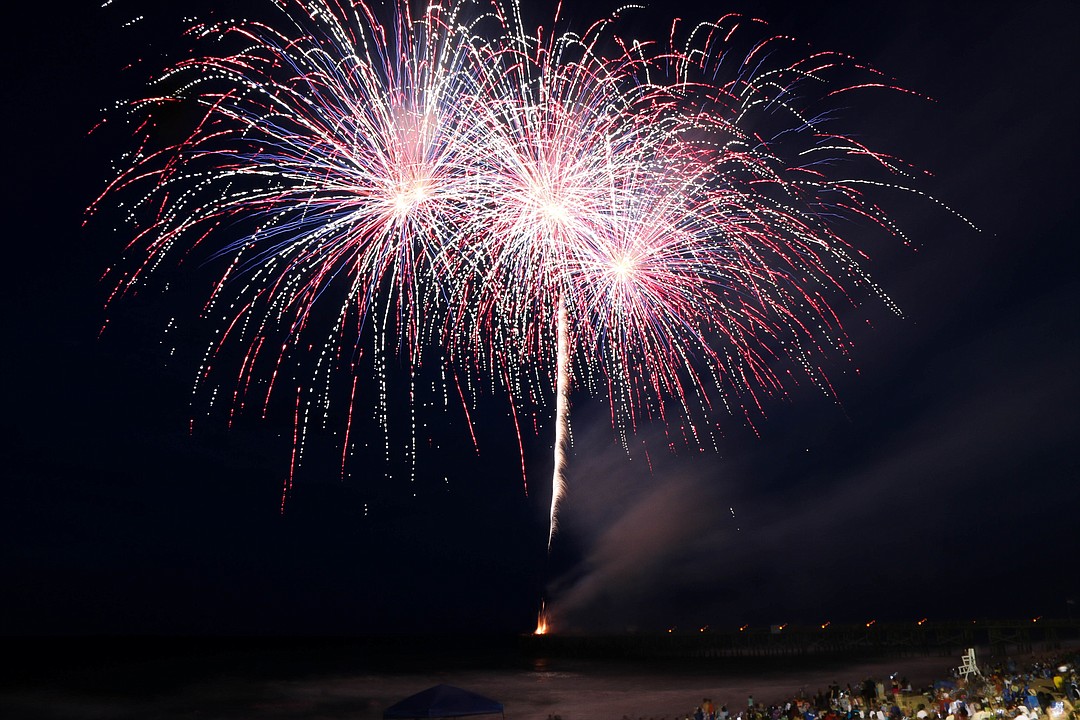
(944, 484)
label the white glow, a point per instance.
(622, 267)
(555, 211)
(409, 196)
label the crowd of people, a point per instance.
(1046, 688)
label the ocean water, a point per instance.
(257, 679)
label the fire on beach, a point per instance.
(541, 621)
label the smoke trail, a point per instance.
(562, 412)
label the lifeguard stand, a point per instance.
(969, 667)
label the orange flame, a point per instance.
(541, 621)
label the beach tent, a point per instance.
(443, 701)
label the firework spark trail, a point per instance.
(562, 421)
(664, 226)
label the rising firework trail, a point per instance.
(562, 420)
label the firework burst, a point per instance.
(340, 148)
(662, 225)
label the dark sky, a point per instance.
(944, 485)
